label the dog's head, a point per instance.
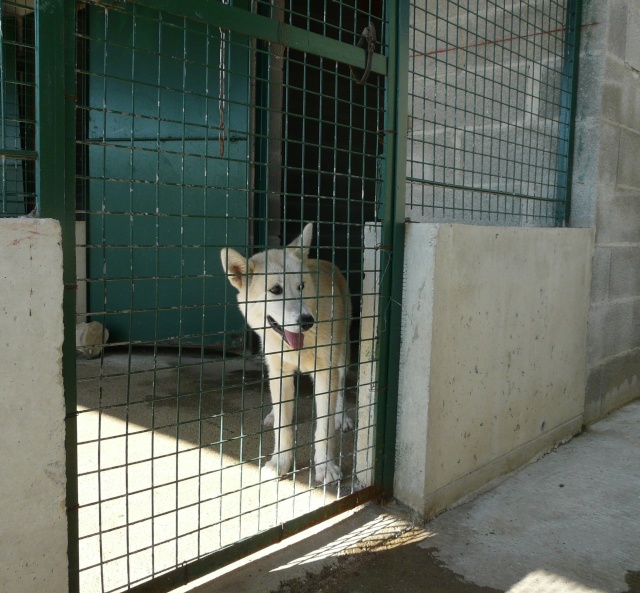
(273, 287)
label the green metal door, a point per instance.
(160, 193)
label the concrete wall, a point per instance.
(606, 196)
(33, 522)
(492, 356)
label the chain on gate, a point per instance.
(222, 82)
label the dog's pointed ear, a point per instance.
(301, 245)
(236, 266)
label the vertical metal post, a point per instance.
(392, 249)
(568, 102)
(55, 190)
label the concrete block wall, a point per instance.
(606, 196)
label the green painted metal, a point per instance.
(271, 30)
(14, 153)
(50, 111)
(55, 187)
(154, 198)
(70, 283)
(392, 248)
(260, 213)
(144, 75)
(569, 101)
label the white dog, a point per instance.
(300, 308)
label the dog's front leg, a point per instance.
(343, 421)
(282, 393)
(326, 385)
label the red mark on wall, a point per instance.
(496, 41)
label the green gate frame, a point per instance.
(55, 143)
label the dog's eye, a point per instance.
(277, 289)
(301, 287)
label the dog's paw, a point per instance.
(344, 422)
(274, 468)
(268, 420)
(328, 472)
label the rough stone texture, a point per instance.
(614, 327)
(600, 274)
(618, 213)
(607, 176)
(632, 45)
(625, 273)
(33, 556)
(628, 170)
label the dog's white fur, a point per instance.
(293, 290)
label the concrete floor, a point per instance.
(569, 523)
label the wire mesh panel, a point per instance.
(17, 108)
(199, 147)
(489, 105)
(343, 20)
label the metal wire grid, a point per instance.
(17, 108)
(331, 155)
(487, 106)
(170, 434)
(343, 20)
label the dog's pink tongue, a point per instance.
(296, 341)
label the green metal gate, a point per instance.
(201, 127)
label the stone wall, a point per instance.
(606, 196)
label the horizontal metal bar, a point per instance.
(261, 27)
(99, 141)
(496, 192)
(10, 153)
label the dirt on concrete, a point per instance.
(408, 569)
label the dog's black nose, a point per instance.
(306, 322)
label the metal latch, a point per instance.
(368, 41)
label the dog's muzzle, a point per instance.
(293, 339)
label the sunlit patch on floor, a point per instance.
(160, 500)
(542, 581)
(385, 532)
